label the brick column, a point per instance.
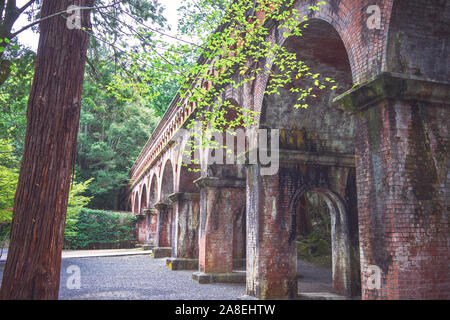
(163, 231)
(146, 212)
(153, 224)
(220, 200)
(271, 247)
(185, 233)
(402, 162)
(140, 228)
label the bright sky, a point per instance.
(31, 39)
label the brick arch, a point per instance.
(323, 126)
(167, 180)
(365, 47)
(153, 190)
(186, 171)
(136, 203)
(345, 272)
(144, 197)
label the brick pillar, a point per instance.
(186, 210)
(220, 200)
(271, 248)
(153, 225)
(146, 212)
(163, 234)
(140, 228)
(402, 160)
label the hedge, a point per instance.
(97, 229)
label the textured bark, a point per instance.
(32, 269)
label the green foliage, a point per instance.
(14, 98)
(96, 229)
(114, 126)
(77, 201)
(8, 180)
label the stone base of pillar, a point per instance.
(176, 264)
(232, 277)
(159, 253)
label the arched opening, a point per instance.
(316, 174)
(167, 182)
(144, 198)
(136, 203)
(239, 240)
(144, 224)
(167, 221)
(324, 244)
(323, 126)
(153, 198)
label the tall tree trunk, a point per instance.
(33, 265)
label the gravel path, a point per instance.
(144, 278)
(137, 277)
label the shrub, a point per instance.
(97, 229)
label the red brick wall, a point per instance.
(402, 173)
(218, 205)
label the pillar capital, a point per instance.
(140, 216)
(180, 196)
(160, 206)
(220, 182)
(387, 85)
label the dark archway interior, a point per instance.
(325, 246)
(144, 198)
(239, 239)
(153, 191)
(167, 185)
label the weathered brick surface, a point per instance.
(219, 206)
(403, 179)
(186, 222)
(164, 225)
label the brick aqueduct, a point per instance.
(382, 165)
